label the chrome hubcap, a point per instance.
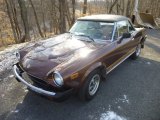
(138, 50)
(94, 84)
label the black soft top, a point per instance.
(104, 17)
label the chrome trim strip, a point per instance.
(36, 89)
(120, 62)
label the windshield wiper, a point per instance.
(86, 36)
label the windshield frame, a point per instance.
(113, 31)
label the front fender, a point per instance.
(97, 65)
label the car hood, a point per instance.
(49, 54)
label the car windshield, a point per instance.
(94, 30)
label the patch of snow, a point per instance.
(8, 77)
(90, 117)
(9, 87)
(110, 115)
(109, 107)
(148, 63)
(8, 57)
(119, 107)
(15, 111)
(25, 90)
(11, 76)
(5, 79)
(124, 99)
(2, 95)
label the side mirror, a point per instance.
(124, 35)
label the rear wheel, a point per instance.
(90, 86)
(136, 54)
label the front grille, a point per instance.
(37, 80)
(40, 83)
(44, 85)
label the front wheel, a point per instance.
(136, 54)
(90, 86)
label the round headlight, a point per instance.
(58, 80)
(18, 55)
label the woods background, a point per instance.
(26, 20)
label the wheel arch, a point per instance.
(97, 66)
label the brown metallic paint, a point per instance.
(36, 60)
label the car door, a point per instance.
(136, 36)
(129, 45)
(108, 51)
(125, 47)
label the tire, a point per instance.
(90, 87)
(136, 54)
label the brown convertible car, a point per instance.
(77, 61)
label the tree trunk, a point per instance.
(62, 22)
(118, 10)
(11, 21)
(36, 19)
(54, 16)
(15, 19)
(73, 11)
(85, 7)
(128, 9)
(125, 7)
(43, 18)
(23, 11)
(111, 8)
(136, 7)
(67, 14)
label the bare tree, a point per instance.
(23, 11)
(111, 8)
(36, 19)
(43, 18)
(54, 15)
(15, 18)
(85, 7)
(73, 11)
(60, 14)
(68, 14)
(62, 21)
(11, 21)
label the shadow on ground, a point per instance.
(154, 33)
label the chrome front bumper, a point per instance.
(30, 86)
(58, 96)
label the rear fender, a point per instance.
(143, 39)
